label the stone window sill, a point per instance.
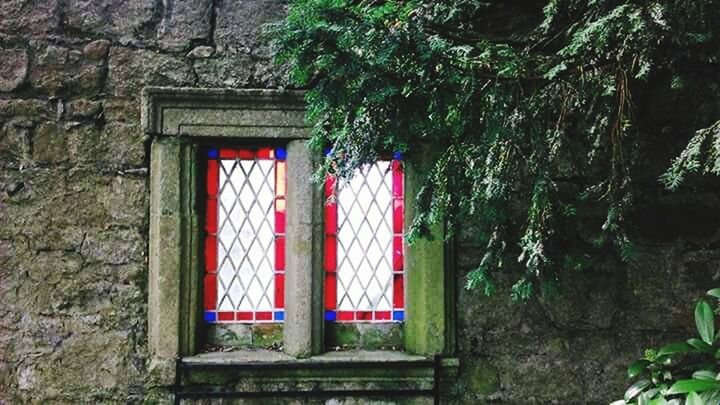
(263, 369)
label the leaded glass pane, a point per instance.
(364, 240)
(245, 235)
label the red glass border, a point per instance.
(330, 254)
(211, 229)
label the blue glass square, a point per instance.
(398, 156)
(280, 154)
(213, 153)
(279, 315)
(398, 315)
(210, 316)
(327, 151)
(330, 315)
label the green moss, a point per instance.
(344, 335)
(267, 335)
(483, 379)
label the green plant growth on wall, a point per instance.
(684, 372)
(530, 108)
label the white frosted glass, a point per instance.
(246, 237)
(364, 237)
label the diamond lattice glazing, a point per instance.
(246, 237)
(364, 240)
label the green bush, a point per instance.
(683, 372)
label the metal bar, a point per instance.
(311, 366)
(178, 380)
(302, 394)
(436, 379)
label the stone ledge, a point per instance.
(327, 370)
(201, 112)
(268, 356)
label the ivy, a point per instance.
(525, 109)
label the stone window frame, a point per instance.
(177, 121)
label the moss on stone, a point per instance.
(267, 335)
(483, 379)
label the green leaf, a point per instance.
(715, 292)
(636, 368)
(692, 385)
(705, 375)
(673, 348)
(658, 401)
(700, 345)
(705, 321)
(619, 402)
(694, 399)
(635, 389)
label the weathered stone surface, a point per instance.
(55, 74)
(82, 108)
(96, 50)
(185, 22)
(232, 335)
(126, 20)
(116, 145)
(15, 143)
(240, 24)
(49, 144)
(35, 18)
(13, 69)
(32, 110)
(113, 247)
(131, 70)
(238, 69)
(201, 52)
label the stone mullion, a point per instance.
(303, 295)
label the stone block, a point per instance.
(125, 20)
(129, 70)
(201, 52)
(125, 200)
(239, 24)
(13, 69)
(113, 246)
(83, 108)
(236, 69)
(14, 143)
(185, 22)
(31, 110)
(49, 144)
(116, 145)
(34, 18)
(121, 110)
(225, 70)
(58, 71)
(96, 50)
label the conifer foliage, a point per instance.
(525, 107)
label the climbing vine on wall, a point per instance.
(525, 107)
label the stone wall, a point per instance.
(74, 217)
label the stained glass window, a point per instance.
(245, 235)
(364, 245)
